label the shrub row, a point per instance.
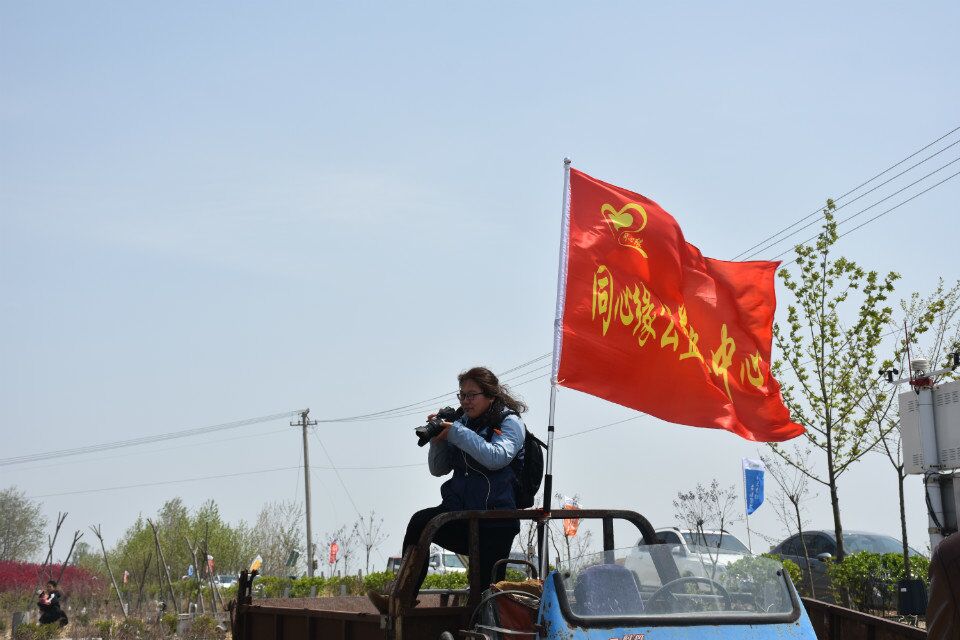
(276, 587)
(869, 580)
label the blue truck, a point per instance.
(603, 597)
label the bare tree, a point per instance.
(344, 550)
(63, 566)
(707, 508)
(526, 541)
(51, 542)
(369, 534)
(97, 532)
(932, 331)
(276, 533)
(789, 505)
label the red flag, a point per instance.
(333, 552)
(650, 323)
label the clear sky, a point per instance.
(216, 211)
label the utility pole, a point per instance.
(306, 422)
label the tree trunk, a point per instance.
(837, 527)
(903, 525)
(806, 554)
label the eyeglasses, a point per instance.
(467, 396)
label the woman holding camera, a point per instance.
(479, 448)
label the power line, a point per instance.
(417, 408)
(313, 468)
(62, 453)
(879, 215)
(165, 482)
(603, 426)
(855, 189)
(336, 471)
(863, 195)
(194, 445)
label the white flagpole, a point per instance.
(557, 343)
(746, 511)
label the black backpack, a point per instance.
(529, 472)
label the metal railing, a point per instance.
(832, 622)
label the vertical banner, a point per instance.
(570, 525)
(753, 471)
(334, 548)
(256, 564)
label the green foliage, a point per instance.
(870, 579)
(793, 569)
(34, 631)
(203, 628)
(446, 581)
(104, 628)
(130, 629)
(22, 532)
(169, 622)
(301, 587)
(760, 576)
(271, 586)
(516, 575)
(829, 345)
(378, 580)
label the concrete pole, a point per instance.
(304, 423)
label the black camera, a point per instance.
(435, 424)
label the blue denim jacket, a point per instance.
(482, 475)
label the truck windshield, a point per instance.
(627, 583)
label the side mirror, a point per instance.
(823, 557)
(677, 550)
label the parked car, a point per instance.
(225, 580)
(443, 561)
(822, 547)
(706, 553)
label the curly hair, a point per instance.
(490, 386)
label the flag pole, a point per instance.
(746, 507)
(557, 343)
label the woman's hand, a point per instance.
(443, 434)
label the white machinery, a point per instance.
(930, 437)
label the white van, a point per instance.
(443, 561)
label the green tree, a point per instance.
(933, 332)
(829, 346)
(21, 525)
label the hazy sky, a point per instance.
(217, 211)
